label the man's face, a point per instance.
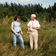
(32, 18)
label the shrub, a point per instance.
(24, 18)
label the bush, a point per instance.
(7, 20)
(24, 18)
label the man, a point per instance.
(33, 26)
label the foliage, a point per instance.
(24, 18)
(7, 20)
(3, 11)
(22, 10)
(46, 42)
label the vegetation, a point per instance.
(47, 33)
(46, 42)
(26, 10)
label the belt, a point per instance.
(32, 31)
(18, 32)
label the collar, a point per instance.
(34, 20)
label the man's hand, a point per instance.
(29, 29)
(33, 27)
(37, 28)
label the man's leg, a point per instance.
(31, 41)
(35, 40)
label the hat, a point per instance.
(33, 15)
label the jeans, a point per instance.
(15, 39)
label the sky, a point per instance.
(45, 3)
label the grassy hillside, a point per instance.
(47, 42)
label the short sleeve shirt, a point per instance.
(16, 26)
(34, 23)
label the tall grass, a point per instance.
(46, 42)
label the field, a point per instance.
(46, 42)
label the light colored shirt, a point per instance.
(34, 23)
(16, 26)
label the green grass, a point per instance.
(46, 42)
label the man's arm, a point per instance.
(28, 28)
(37, 28)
